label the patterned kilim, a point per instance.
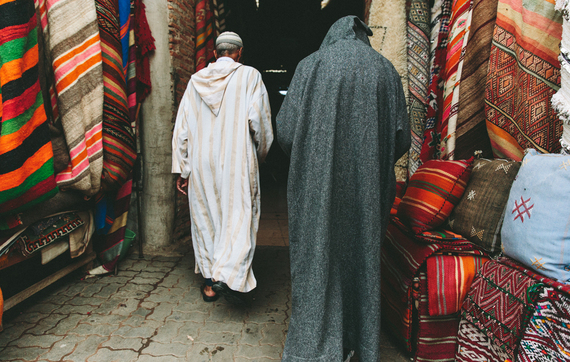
(449, 280)
(205, 33)
(471, 131)
(26, 156)
(547, 336)
(75, 52)
(118, 140)
(562, 287)
(458, 36)
(441, 13)
(498, 305)
(418, 76)
(524, 74)
(402, 258)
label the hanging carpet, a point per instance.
(441, 14)
(72, 39)
(118, 139)
(471, 130)
(458, 37)
(418, 76)
(524, 74)
(205, 33)
(26, 156)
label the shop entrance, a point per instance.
(277, 34)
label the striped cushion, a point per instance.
(433, 190)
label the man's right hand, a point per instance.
(182, 184)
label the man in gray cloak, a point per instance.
(344, 124)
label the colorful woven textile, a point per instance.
(403, 255)
(132, 70)
(75, 53)
(144, 47)
(118, 140)
(471, 131)
(436, 336)
(524, 74)
(125, 26)
(563, 287)
(26, 156)
(458, 36)
(205, 33)
(449, 280)
(547, 336)
(418, 76)
(441, 13)
(111, 225)
(498, 306)
(432, 192)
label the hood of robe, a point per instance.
(211, 82)
(347, 28)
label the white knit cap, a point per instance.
(229, 37)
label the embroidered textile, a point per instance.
(498, 305)
(471, 131)
(118, 140)
(75, 52)
(547, 335)
(418, 76)
(524, 74)
(449, 278)
(46, 231)
(26, 156)
(479, 214)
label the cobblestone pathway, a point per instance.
(153, 311)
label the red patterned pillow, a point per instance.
(432, 193)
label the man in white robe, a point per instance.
(223, 130)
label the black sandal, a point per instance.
(236, 298)
(206, 297)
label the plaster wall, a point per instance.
(157, 215)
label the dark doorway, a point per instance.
(277, 34)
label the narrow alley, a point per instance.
(152, 310)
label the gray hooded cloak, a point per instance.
(344, 124)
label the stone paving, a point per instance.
(153, 311)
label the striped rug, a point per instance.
(458, 38)
(72, 39)
(26, 156)
(524, 74)
(118, 139)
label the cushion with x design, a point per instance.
(536, 226)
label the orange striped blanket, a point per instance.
(72, 40)
(26, 156)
